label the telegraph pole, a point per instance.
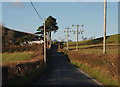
(104, 40)
(77, 35)
(47, 40)
(77, 38)
(67, 37)
(44, 43)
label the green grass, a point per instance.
(112, 38)
(97, 51)
(10, 57)
(94, 72)
(0, 57)
(83, 46)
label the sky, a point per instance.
(22, 17)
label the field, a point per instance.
(21, 53)
(109, 39)
(90, 58)
(11, 57)
(96, 46)
(22, 65)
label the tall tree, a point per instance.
(50, 25)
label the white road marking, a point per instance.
(86, 74)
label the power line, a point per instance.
(36, 10)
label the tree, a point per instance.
(10, 36)
(50, 25)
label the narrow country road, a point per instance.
(61, 72)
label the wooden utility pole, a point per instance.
(77, 39)
(67, 40)
(50, 40)
(77, 35)
(44, 43)
(47, 39)
(67, 37)
(104, 40)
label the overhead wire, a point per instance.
(36, 10)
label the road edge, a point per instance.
(86, 74)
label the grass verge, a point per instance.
(95, 73)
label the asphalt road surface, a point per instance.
(61, 72)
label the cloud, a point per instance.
(16, 3)
(19, 4)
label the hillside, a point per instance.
(109, 39)
(10, 36)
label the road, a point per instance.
(61, 72)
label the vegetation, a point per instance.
(102, 67)
(13, 37)
(105, 79)
(21, 53)
(28, 79)
(12, 49)
(11, 57)
(109, 39)
(90, 58)
(96, 47)
(22, 66)
(50, 25)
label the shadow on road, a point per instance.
(61, 72)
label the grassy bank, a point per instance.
(11, 57)
(95, 73)
(102, 67)
(90, 58)
(94, 46)
(22, 66)
(28, 79)
(109, 39)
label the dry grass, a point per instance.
(11, 57)
(21, 68)
(106, 65)
(90, 58)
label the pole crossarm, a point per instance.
(67, 36)
(78, 32)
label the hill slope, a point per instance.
(10, 36)
(109, 39)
